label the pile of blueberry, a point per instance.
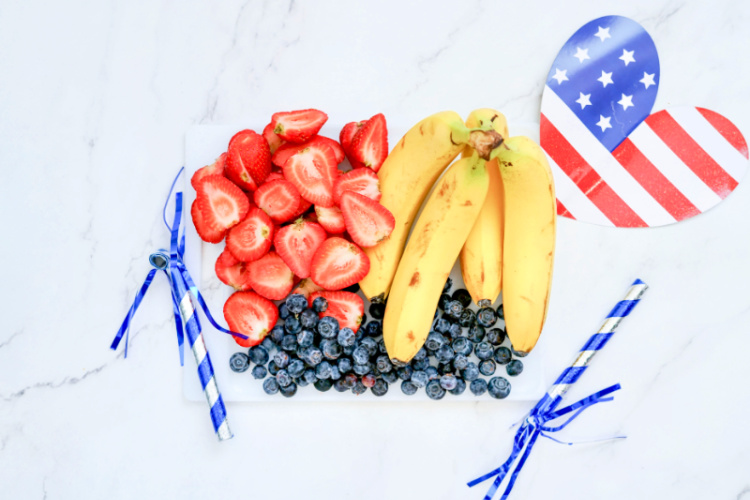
(463, 345)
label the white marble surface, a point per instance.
(96, 98)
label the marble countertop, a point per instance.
(96, 100)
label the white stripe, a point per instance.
(212, 392)
(223, 432)
(673, 168)
(583, 359)
(186, 307)
(199, 349)
(579, 206)
(711, 141)
(602, 161)
(636, 292)
(609, 325)
(558, 390)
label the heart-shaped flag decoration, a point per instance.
(614, 163)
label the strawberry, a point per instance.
(313, 171)
(250, 314)
(279, 199)
(345, 138)
(252, 238)
(282, 154)
(347, 307)
(303, 207)
(337, 149)
(367, 221)
(216, 168)
(206, 233)
(271, 277)
(307, 287)
(273, 140)
(360, 180)
(369, 145)
(221, 202)
(296, 244)
(232, 272)
(298, 126)
(338, 264)
(248, 160)
(274, 176)
(331, 219)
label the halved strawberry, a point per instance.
(298, 126)
(312, 171)
(221, 202)
(271, 277)
(331, 219)
(335, 146)
(307, 287)
(288, 149)
(216, 168)
(279, 199)
(250, 314)
(345, 138)
(248, 159)
(232, 272)
(274, 176)
(360, 180)
(303, 207)
(273, 140)
(251, 238)
(296, 244)
(205, 232)
(370, 144)
(338, 264)
(347, 307)
(367, 221)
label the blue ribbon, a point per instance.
(173, 266)
(535, 425)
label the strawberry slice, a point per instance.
(360, 180)
(216, 168)
(279, 199)
(273, 140)
(335, 146)
(221, 202)
(248, 159)
(251, 238)
(367, 221)
(331, 219)
(345, 137)
(250, 314)
(313, 171)
(347, 307)
(232, 272)
(287, 150)
(274, 176)
(303, 207)
(205, 232)
(369, 145)
(298, 126)
(271, 277)
(338, 264)
(296, 244)
(307, 287)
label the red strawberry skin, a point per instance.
(279, 199)
(216, 168)
(338, 264)
(347, 307)
(360, 180)
(282, 154)
(248, 159)
(313, 172)
(273, 140)
(367, 221)
(345, 138)
(205, 232)
(274, 176)
(331, 219)
(250, 314)
(369, 145)
(298, 126)
(270, 277)
(222, 204)
(296, 244)
(252, 238)
(232, 272)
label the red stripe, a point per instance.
(726, 129)
(653, 181)
(561, 210)
(586, 178)
(691, 154)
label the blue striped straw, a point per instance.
(535, 424)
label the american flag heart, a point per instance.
(614, 163)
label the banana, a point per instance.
(433, 247)
(407, 175)
(529, 238)
(482, 254)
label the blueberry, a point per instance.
(461, 345)
(460, 387)
(377, 310)
(331, 350)
(383, 364)
(369, 380)
(305, 338)
(308, 318)
(434, 390)
(432, 373)
(270, 386)
(361, 355)
(478, 386)
(313, 356)
(323, 370)
(296, 303)
(328, 327)
(346, 337)
(292, 325)
(434, 341)
(371, 345)
(352, 288)
(362, 368)
(518, 354)
(340, 385)
(484, 303)
(462, 295)
(486, 317)
(443, 302)
(454, 308)
(259, 372)
(498, 387)
(283, 311)
(373, 329)
(502, 355)
(442, 325)
(310, 376)
(445, 354)
(484, 350)
(496, 336)
(320, 304)
(420, 364)
(344, 365)
(381, 347)
(281, 359)
(448, 381)
(460, 362)
(301, 382)
(421, 354)
(444, 368)
(471, 372)
(408, 387)
(476, 333)
(296, 368)
(348, 350)
(404, 373)
(487, 367)
(514, 368)
(380, 387)
(350, 380)
(273, 368)
(289, 343)
(283, 378)
(468, 318)
(276, 334)
(335, 373)
(448, 285)
(359, 388)
(323, 385)
(268, 344)
(239, 362)
(500, 312)
(455, 330)
(419, 378)
(391, 377)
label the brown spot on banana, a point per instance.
(410, 336)
(414, 279)
(468, 203)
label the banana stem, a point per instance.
(484, 142)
